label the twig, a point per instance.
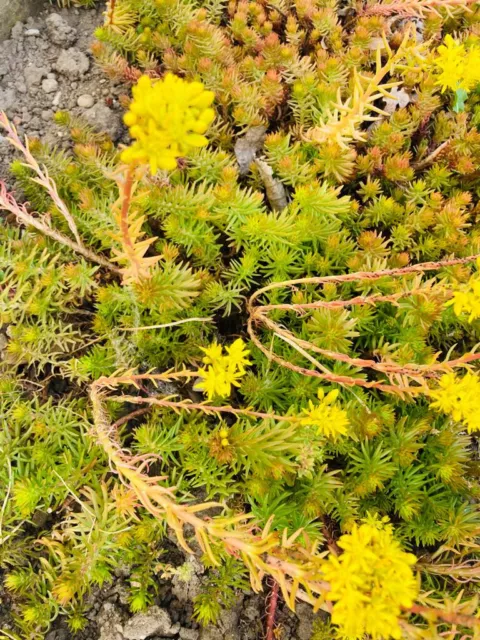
(167, 325)
(8, 203)
(206, 408)
(446, 616)
(417, 372)
(431, 157)
(43, 179)
(416, 8)
(365, 275)
(7, 496)
(130, 416)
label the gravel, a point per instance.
(46, 66)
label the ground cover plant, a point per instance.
(255, 323)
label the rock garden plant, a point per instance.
(253, 322)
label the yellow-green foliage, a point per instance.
(317, 403)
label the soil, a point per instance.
(46, 66)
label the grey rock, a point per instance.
(247, 146)
(187, 585)
(211, 633)
(72, 63)
(306, 617)
(32, 32)
(21, 87)
(85, 101)
(155, 621)
(56, 99)
(109, 621)
(59, 31)
(104, 119)
(49, 85)
(33, 74)
(12, 11)
(17, 31)
(35, 122)
(47, 115)
(189, 634)
(7, 99)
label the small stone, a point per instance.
(32, 32)
(110, 622)
(7, 99)
(85, 101)
(35, 123)
(51, 75)
(47, 115)
(33, 75)
(72, 63)
(17, 31)
(189, 634)
(59, 31)
(49, 85)
(155, 621)
(17, 121)
(104, 119)
(56, 100)
(21, 87)
(306, 617)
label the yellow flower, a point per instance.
(458, 67)
(467, 299)
(237, 354)
(222, 371)
(459, 398)
(167, 118)
(330, 419)
(371, 581)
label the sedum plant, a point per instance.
(256, 324)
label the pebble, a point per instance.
(104, 119)
(56, 100)
(85, 101)
(59, 31)
(72, 63)
(49, 85)
(47, 115)
(32, 32)
(33, 74)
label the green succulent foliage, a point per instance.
(66, 322)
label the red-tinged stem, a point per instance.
(447, 616)
(111, 12)
(130, 416)
(272, 610)
(126, 199)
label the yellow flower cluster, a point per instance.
(330, 419)
(223, 370)
(371, 581)
(458, 67)
(467, 299)
(167, 118)
(459, 398)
